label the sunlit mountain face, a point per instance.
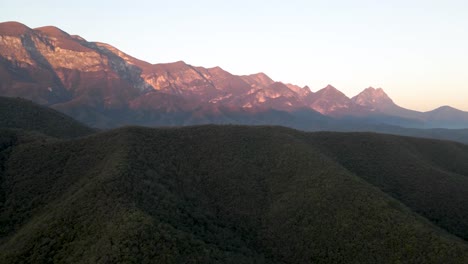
(104, 87)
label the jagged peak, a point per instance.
(52, 31)
(375, 98)
(298, 90)
(257, 79)
(372, 92)
(306, 90)
(13, 28)
(371, 89)
(330, 90)
(331, 93)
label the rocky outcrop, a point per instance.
(96, 81)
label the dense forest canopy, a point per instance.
(227, 194)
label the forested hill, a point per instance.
(17, 113)
(233, 194)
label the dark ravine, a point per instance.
(104, 87)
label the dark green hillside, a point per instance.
(23, 114)
(209, 194)
(429, 176)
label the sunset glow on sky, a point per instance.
(417, 51)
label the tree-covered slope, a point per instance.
(17, 113)
(429, 176)
(211, 194)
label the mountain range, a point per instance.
(76, 187)
(103, 87)
(225, 194)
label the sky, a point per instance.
(416, 50)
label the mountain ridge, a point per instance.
(92, 79)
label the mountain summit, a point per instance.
(103, 87)
(374, 99)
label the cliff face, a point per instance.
(51, 67)
(89, 80)
(102, 86)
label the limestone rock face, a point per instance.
(374, 99)
(99, 84)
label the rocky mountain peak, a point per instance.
(330, 91)
(375, 91)
(331, 101)
(262, 76)
(257, 80)
(330, 87)
(302, 92)
(51, 67)
(372, 97)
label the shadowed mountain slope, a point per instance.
(17, 113)
(230, 194)
(429, 176)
